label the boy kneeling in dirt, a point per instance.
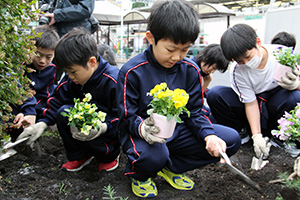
(172, 28)
(77, 54)
(42, 75)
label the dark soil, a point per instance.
(28, 176)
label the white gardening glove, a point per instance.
(94, 133)
(297, 166)
(147, 131)
(261, 146)
(291, 82)
(33, 132)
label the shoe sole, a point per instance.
(81, 166)
(113, 168)
(245, 140)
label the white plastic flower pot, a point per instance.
(280, 70)
(166, 127)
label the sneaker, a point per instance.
(290, 148)
(144, 189)
(109, 166)
(76, 165)
(178, 181)
(244, 136)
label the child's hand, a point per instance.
(291, 80)
(94, 133)
(213, 143)
(18, 121)
(148, 130)
(51, 16)
(28, 120)
(33, 132)
(261, 146)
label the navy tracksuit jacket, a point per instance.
(102, 86)
(43, 84)
(185, 150)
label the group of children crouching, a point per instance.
(123, 95)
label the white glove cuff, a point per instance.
(103, 127)
(142, 130)
(42, 125)
(256, 136)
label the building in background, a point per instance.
(251, 12)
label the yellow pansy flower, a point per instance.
(87, 98)
(77, 116)
(168, 102)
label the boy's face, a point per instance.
(248, 56)
(166, 52)
(208, 69)
(79, 74)
(250, 53)
(42, 58)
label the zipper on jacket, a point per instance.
(165, 76)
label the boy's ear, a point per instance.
(93, 61)
(150, 37)
(258, 41)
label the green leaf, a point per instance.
(64, 114)
(177, 119)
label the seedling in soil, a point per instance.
(110, 191)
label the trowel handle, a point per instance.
(224, 155)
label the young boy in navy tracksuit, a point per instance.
(42, 75)
(87, 72)
(43, 71)
(172, 27)
(209, 60)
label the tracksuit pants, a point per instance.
(182, 152)
(104, 148)
(227, 109)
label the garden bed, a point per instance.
(28, 176)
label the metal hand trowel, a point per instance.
(259, 163)
(8, 150)
(238, 173)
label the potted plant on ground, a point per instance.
(166, 106)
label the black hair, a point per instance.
(212, 54)
(45, 37)
(75, 48)
(107, 54)
(285, 39)
(176, 20)
(237, 40)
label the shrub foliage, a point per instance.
(15, 49)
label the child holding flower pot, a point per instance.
(255, 98)
(172, 28)
(87, 72)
